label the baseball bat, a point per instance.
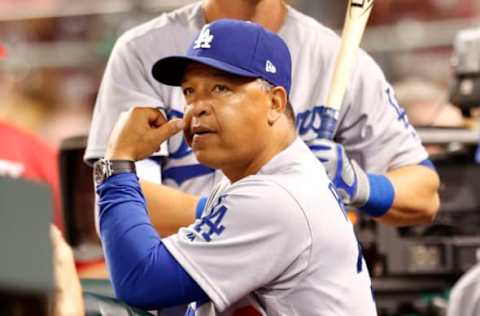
(356, 19)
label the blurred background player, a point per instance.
(24, 154)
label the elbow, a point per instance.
(131, 285)
(432, 203)
(431, 210)
(431, 198)
(132, 296)
(125, 295)
(144, 283)
(125, 292)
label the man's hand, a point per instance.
(68, 300)
(349, 179)
(139, 133)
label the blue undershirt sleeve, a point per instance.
(143, 273)
(428, 163)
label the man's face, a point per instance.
(226, 120)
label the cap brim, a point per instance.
(171, 70)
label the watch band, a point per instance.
(119, 166)
(103, 169)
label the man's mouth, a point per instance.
(200, 130)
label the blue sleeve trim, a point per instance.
(200, 206)
(428, 163)
(143, 273)
(381, 196)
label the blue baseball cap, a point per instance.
(237, 47)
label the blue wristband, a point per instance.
(381, 196)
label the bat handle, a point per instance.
(328, 122)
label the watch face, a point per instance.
(103, 169)
(99, 171)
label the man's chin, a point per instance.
(208, 159)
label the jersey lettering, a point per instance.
(402, 115)
(309, 121)
(212, 223)
(182, 174)
(183, 150)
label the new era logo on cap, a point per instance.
(237, 47)
(269, 67)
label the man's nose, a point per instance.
(200, 108)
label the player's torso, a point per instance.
(336, 279)
(329, 278)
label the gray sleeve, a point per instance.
(126, 83)
(243, 242)
(372, 126)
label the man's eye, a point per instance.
(220, 88)
(187, 91)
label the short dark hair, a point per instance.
(289, 112)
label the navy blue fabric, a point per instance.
(143, 273)
(200, 206)
(181, 174)
(381, 196)
(477, 154)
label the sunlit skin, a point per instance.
(229, 120)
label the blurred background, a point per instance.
(52, 57)
(52, 52)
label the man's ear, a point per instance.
(278, 104)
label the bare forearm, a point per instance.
(416, 196)
(169, 209)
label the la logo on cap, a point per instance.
(204, 39)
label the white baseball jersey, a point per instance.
(372, 127)
(280, 239)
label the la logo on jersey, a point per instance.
(269, 67)
(204, 39)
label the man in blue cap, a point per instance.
(273, 234)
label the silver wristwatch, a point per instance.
(103, 169)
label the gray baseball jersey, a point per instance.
(372, 127)
(280, 238)
(465, 295)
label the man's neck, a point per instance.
(279, 140)
(268, 13)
